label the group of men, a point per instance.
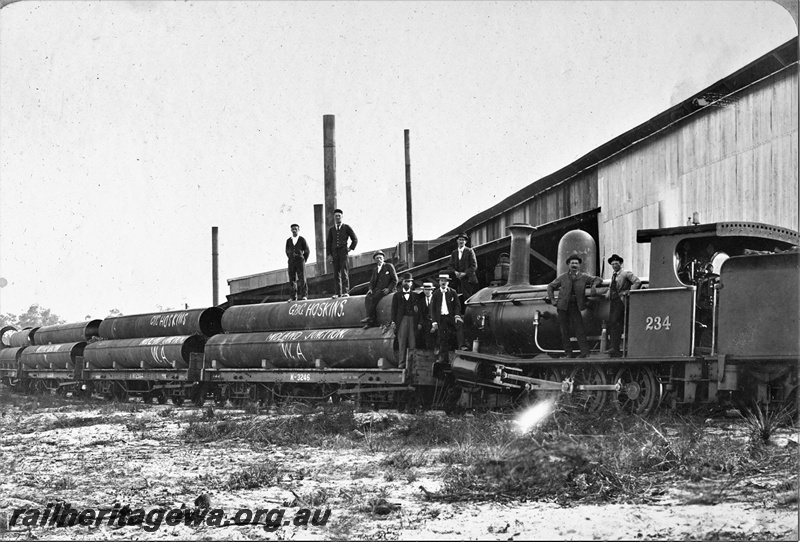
(432, 318)
(572, 300)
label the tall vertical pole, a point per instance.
(409, 214)
(214, 267)
(329, 149)
(319, 238)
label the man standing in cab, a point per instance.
(463, 265)
(622, 282)
(383, 282)
(405, 315)
(297, 252)
(571, 301)
(446, 316)
(336, 242)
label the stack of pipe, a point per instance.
(54, 347)
(163, 340)
(316, 333)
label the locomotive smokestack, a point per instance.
(329, 148)
(519, 271)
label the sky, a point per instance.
(129, 129)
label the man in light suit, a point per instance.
(337, 248)
(383, 282)
(405, 315)
(622, 282)
(463, 265)
(446, 316)
(571, 301)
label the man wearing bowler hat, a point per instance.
(383, 282)
(622, 282)
(426, 336)
(446, 316)
(405, 315)
(336, 244)
(463, 265)
(571, 301)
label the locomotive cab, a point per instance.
(677, 315)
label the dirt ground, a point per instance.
(139, 456)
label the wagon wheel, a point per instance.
(118, 394)
(177, 400)
(162, 398)
(588, 400)
(640, 389)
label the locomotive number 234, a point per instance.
(657, 323)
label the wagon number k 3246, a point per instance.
(656, 323)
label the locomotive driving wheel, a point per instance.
(588, 400)
(640, 389)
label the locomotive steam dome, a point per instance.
(581, 243)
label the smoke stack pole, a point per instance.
(214, 267)
(319, 238)
(409, 214)
(329, 149)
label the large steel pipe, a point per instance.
(146, 353)
(10, 356)
(5, 335)
(67, 333)
(312, 314)
(163, 324)
(350, 348)
(23, 337)
(52, 356)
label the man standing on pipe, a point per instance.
(338, 235)
(297, 252)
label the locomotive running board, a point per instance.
(544, 359)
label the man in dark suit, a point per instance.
(622, 282)
(405, 315)
(383, 282)
(571, 301)
(297, 252)
(463, 265)
(336, 242)
(446, 316)
(426, 337)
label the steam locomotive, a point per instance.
(716, 321)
